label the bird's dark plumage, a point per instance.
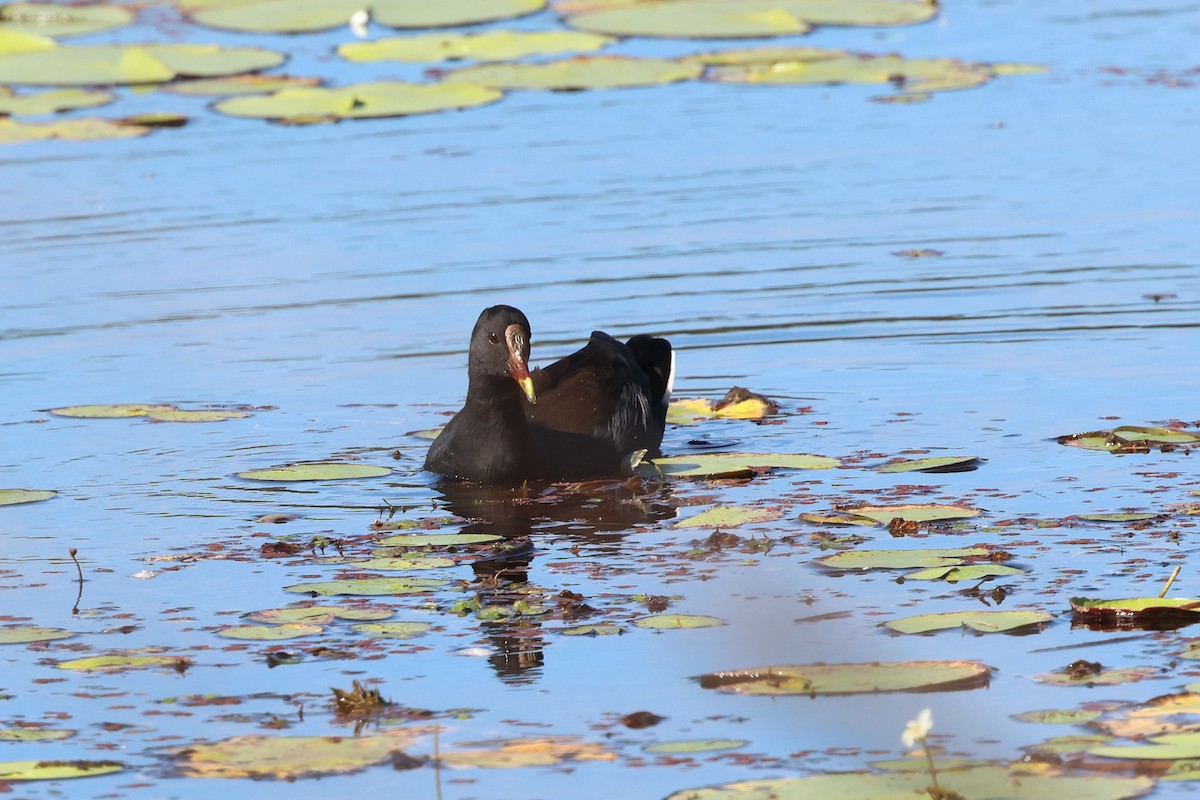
(579, 418)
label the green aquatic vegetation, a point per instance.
(837, 679)
(578, 73)
(316, 471)
(497, 45)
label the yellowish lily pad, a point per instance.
(393, 630)
(687, 746)
(12, 497)
(269, 633)
(56, 770)
(118, 663)
(79, 129)
(34, 734)
(903, 559)
(665, 621)
(592, 629)
(913, 513)
(730, 517)
(544, 751)
(498, 45)
(107, 410)
(438, 539)
(130, 64)
(909, 75)
(979, 621)
(1129, 439)
(239, 85)
(58, 19)
(320, 615)
(965, 572)
(25, 634)
(298, 16)
(366, 587)
(579, 73)
(359, 101)
(694, 19)
(838, 679)
(316, 471)
(181, 415)
(938, 464)
(50, 102)
(291, 757)
(732, 465)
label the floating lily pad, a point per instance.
(438, 539)
(118, 663)
(1059, 716)
(269, 633)
(544, 751)
(687, 411)
(316, 471)
(291, 757)
(936, 465)
(732, 465)
(663, 621)
(80, 129)
(24, 635)
(428, 434)
(1173, 746)
(1172, 713)
(239, 85)
(730, 517)
(913, 513)
(393, 630)
(1119, 517)
(130, 64)
(688, 746)
(909, 75)
(980, 621)
(579, 73)
(1107, 677)
(694, 19)
(298, 16)
(1129, 439)
(1136, 612)
(34, 734)
(181, 415)
(387, 564)
(838, 519)
(12, 497)
(499, 45)
(839, 679)
(57, 19)
(359, 101)
(965, 572)
(56, 770)
(902, 559)
(319, 615)
(163, 119)
(369, 586)
(107, 410)
(50, 102)
(592, 629)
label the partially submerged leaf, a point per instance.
(1129, 439)
(1153, 613)
(181, 415)
(578, 74)
(663, 621)
(687, 746)
(34, 734)
(592, 629)
(56, 770)
(12, 497)
(965, 572)
(936, 465)
(366, 587)
(916, 75)
(980, 621)
(730, 517)
(107, 410)
(320, 615)
(495, 45)
(544, 751)
(838, 679)
(732, 465)
(1106, 677)
(76, 129)
(316, 471)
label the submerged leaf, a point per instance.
(837, 679)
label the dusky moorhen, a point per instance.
(579, 418)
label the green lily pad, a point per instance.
(369, 586)
(914, 513)
(579, 73)
(966, 572)
(902, 559)
(592, 629)
(838, 519)
(269, 633)
(316, 471)
(180, 415)
(1128, 439)
(1119, 517)
(25, 634)
(81, 129)
(57, 19)
(291, 757)
(1059, 716)
(118, 663)
(764, 55)
(729, 517)
(12, 497)
(980, 621)
(694, 19)
(732, 465)
(688, 746)
(239, 85)
(936, 465)
(130, 64)
(1171, 746)
(664, 621)
(991, 782)
(320, 615)
(437, 539)
(388, 564)
(910, 75)
(56, 770)
(1107, 677)
(34, 734)
(106, 410)
(50, 102)
(393, 630)
(359, 101)
(1136, 612)
(498, 45)
(839, 679)
(299, 16)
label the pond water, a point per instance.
(975, 275)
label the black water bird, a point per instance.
(589, 415)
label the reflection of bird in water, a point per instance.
(590, 415)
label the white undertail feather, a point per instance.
(666, 401)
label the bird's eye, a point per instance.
(493, 338)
